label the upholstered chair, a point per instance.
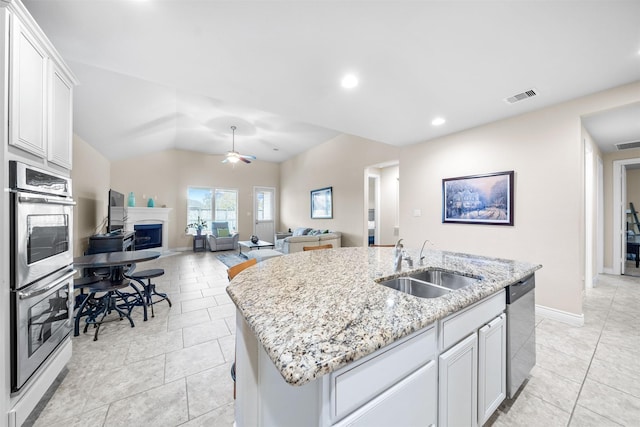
(221, 238)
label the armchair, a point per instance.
(221, 239)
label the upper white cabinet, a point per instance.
(40, 97)
(61, 123)
(28, 91)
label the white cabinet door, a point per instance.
(412, 402)
(492, 367)
(61, 117)
(28, 91)
(458, 384)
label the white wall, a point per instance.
(544, 148)
(166, 175)
(339, 163)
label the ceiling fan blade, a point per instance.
(226, 160)
(248, 156)
(244, 160)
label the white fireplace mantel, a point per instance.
(137, 216)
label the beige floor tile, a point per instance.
(94, 417)
(125, 381)
(185, 296)
(209, 390)
(617, 355)
(205, 332)
(198, 304)
(616, 375)
(145, 347)
(162, 406)
(529, 410)
(192, 360)
(222, 311)
(228, 346)
(583, 417)
(221, 417)
(553, 388)
(191, 318)
(572, 368)
(610, 403)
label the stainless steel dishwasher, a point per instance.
(521, 332)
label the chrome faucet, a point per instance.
(420, 261)
(397, 252)
(401, 254)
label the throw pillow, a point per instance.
(299, 231)
(223, 232)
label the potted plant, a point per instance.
(198, 225)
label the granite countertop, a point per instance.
(316, 311)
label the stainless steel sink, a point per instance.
(415, 287)
(446, 279)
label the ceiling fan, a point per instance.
(233, 156)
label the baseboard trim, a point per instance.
(607, 270)
(560, 316)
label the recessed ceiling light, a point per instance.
(438, 121)
(349, 81)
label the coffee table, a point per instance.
(249, 244)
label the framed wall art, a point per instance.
(478, 199)
(322, 203)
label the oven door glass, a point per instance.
(43, 237)
(42, 317)
(47, 236)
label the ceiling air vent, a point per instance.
(521, 96)
(628, 145)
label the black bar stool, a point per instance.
(149, 289)
(104, 297)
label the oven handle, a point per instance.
(46, 200)
(27, 295)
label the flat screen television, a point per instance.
(116, 216)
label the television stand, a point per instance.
(112, 242)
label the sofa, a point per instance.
(221, 238)
(304, 236)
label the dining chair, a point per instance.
(313, 248)
(233, 271)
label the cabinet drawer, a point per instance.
(355, 386)
(460, 325)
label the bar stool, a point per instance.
(103, 298)
(149, 289)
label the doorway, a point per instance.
(381, 204)
(264, 213)
(621, 215)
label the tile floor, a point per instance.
(174, 369)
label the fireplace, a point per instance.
(148, 236)
(156, 217)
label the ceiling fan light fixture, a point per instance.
(233, 156)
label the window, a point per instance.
(226, 207)
(212, 204)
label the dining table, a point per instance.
(116, 265)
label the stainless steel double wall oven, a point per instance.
(41, 267)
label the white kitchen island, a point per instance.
(320, 342)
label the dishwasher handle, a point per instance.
(520, 288)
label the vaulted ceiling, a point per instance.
(161, 74)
